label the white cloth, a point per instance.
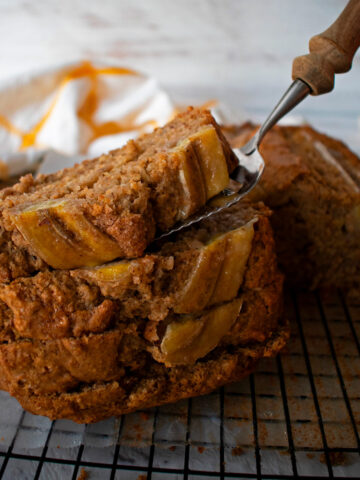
(80, 109)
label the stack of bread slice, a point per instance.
(97, 321)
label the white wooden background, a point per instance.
(238, 51)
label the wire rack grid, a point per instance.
(297, 416)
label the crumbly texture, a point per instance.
(312, 184)
(155, 385)
(70, 350)
(64, 364)
(57, 304)
(125, 195)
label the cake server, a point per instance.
(330, 52)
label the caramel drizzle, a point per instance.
(86, 112)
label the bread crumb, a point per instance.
(284, 452)
(237, 451)
(145, 416)
(84, 475)
(336, 458)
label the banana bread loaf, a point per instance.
(312, 184)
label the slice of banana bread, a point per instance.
(64, 364)
(204, 266)
(110, 207)
(312, 184)
(154, 385)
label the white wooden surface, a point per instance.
(238, 51)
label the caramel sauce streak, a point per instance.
(87, 110)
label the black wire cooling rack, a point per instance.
(297, 416)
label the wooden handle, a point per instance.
(330, 52)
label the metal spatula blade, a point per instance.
(243, 179)
(251, 164)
